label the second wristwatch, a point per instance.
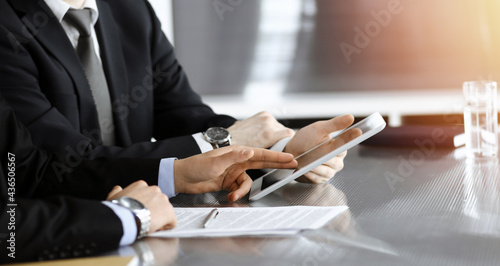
(218, 136)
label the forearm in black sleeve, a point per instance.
(40, 174)
(56, 228)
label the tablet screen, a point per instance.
(338, 143)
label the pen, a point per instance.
(211, 216)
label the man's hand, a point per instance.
(224, 169)
(162, 212)
(259, 131)
(312, 135)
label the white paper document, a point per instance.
(250, 221)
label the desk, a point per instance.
(407, 207)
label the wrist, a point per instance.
(235, 142)
(233, 131)
(178, 176)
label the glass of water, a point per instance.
(480, 118)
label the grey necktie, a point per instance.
(81, 20)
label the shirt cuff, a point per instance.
(202, 142)
(166, 177)
(280, 145)
(128, 223)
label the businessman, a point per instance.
(45, 216)
(98, 78)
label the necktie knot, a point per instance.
(80, 19)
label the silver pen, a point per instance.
(211, 216)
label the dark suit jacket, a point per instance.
(42, 78)
(58, 225)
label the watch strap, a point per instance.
(143, 220)
(224, 144)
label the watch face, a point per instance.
(217, 133)
(131, 203)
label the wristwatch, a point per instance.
(142, 215)
(218, 136)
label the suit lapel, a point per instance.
(114, 65)
(52, 36)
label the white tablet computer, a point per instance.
(339, 142)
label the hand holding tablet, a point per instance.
(317, 150)
(311, 136)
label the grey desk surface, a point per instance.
(407, 206)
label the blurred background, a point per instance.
(314, 59)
